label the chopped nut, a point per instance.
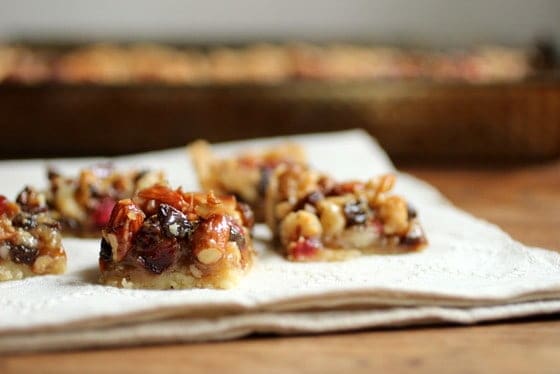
(332, 218)
(209, 256)
(394, 214)
(300, 224)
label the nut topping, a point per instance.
(209, 256)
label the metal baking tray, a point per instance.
(412, 119)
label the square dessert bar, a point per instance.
(245, 175)
(316, 218)
(164, 238)
(83, 204)
(30, 240)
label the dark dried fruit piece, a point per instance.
(25, 221)
(30, 201)
(355, 213)
(174, 223)
(247, 215)
(414, 237)
(236, 235)
(411, 211)
(266, 174)
(106, 252)
(21, 254)
(161, 257)
(155, 252)
(311, 199)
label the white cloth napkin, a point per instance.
(471, 271)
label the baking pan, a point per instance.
(413, 119)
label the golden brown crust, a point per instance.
(245, 175)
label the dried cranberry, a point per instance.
(102, 212)
(174, 223)
(3, 204)
(106, 252)
(266, 173)
(29, 201)
(305, 248)
(355, 213)
(7, 207)
(21, 254)
(25, 220)
(236, 235)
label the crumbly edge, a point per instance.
(43, 265)
(176, 279)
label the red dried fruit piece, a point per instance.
(102, 213)
(304, 249)
(7, 207)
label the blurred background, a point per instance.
(430, 79)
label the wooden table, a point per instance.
(524, 200)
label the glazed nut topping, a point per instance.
(314, 216)
(332, 218)
(30, 240)
(376, 187)
(394, 213)
(166, 238)
(300, 224)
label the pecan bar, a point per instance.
(246, 175)
(30, 240)
(316, 218)
(83, 205)
(164, 238)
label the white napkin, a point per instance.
(471, 271)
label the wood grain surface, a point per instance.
(524, 200)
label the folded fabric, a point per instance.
(471, 271)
